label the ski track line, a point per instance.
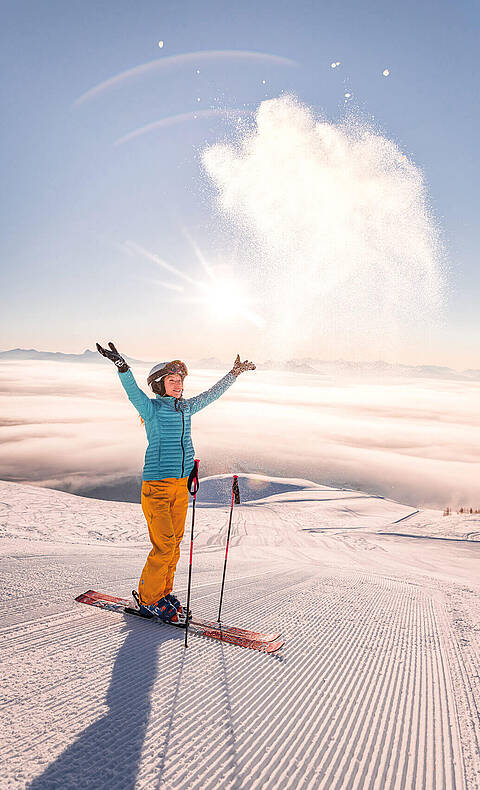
(330, 779)
(340, 682)
(113, 586)
(362, 679)
(328, 639)
(449, 710)
(381, 764)
(383, 780)
(104, 664)
(193, 738)
(182, 740)
(68, 620)
(70, 636)
(263, 776)
(260, 702)
(464, 662)
(338, 768)
(377, 701)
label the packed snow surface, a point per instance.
(377, 684)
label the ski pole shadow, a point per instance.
(107, 754)
(171, 719)
(230, 742)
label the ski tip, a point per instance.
(272, 647)
(84, 597)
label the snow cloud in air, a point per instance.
(333, 231)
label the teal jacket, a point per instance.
(170, 450)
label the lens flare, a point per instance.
(226, 299)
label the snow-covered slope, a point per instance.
(377, 684)
(300, 506)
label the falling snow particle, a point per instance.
(386, 72)
(160, 44)
(198, 98)
(264, 82)
(333, 65)
(198, 71)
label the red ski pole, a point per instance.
(193, 485)
(236, 499)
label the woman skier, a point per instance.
(168, 462)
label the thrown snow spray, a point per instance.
(333, 234)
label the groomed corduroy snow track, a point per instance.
(376, 687)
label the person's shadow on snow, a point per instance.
(107, 754)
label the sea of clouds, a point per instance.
(413, 439)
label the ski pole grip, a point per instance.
(193, 482)
(236, 490)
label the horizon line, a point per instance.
(282, 364)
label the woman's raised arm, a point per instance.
(200, 401)
(136, 396)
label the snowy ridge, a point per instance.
(33, 513)
(377, 685)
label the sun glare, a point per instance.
(223, 295)
(226, 300)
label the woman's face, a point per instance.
(173, 385)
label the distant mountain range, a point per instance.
(58, 356)
(305, 365)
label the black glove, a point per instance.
(241, 367)
(114, 357)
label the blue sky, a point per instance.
(72, 197)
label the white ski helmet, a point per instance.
(162, 369)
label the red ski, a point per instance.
(265, 643)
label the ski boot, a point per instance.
(178, 606)
(163, 609)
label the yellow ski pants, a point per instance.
(164, 504)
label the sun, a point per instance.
(221, 292)
(226, 300)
